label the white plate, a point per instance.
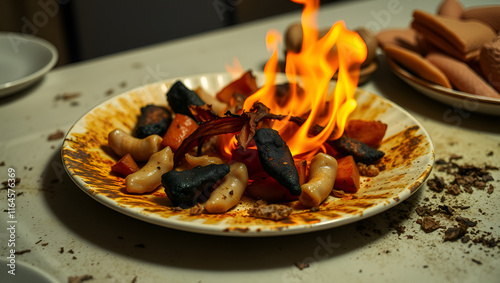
(409, 159)
(24, 59)
(455, 98)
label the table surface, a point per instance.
(68, 233)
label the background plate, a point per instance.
(409, 159)
(455, 98)
(25, 59)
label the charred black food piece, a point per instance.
(179, 98)
(154, 120)
(359, 150)
(276, 159)
(185, 188)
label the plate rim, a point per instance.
(216, 230)
(25, 81)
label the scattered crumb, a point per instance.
(56, 135)
(61, 250)
(196, 210)
(301, 265)
(139, 246)
(2, 163)
(68, 96)
(476, 261)
(271, 211)
(368, 170)
(454, 233)
(429, 224)
(22, 252)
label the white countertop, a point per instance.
(53, 213)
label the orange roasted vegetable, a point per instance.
(347, 178)
(368, 132)
(125, 166)
(181, 127)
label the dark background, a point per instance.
(86, 29)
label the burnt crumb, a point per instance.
(420, 211)
(22, 252)
(455, 157)
(446, 209)
(110, 91)
(409, 237)
(466, 221)
(477, 261)
(2, 163)
(429, 224)
(61, 250)
(272, 211)
(139, 245)
(79, 279)
(196, 210)
(441, 162)
(489, 153)
(400, 229)
(490, 189)
(134, 280)
(465, 239)
(456, 232)
(71, 251)
(453, 189)
(56, 135)
(5, 184)
(73, 258)
(301, 265)
(68, 96)
(338, 193)
(38, 242)
(45, 244)
(436, 184)
(370, 170)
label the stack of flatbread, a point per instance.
(456, 47)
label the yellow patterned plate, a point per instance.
(409, 160)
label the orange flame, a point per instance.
(313, 68)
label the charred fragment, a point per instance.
(276, 159)
(154, 120)
(360, 151)
(179, 98)
(185, 188)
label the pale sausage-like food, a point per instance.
(322, 178)
(149, 177)
(229, 192)
(203, 160)
(140, 149)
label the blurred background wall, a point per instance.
(86, 29)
